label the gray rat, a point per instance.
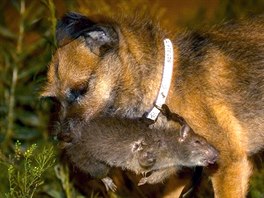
(103, 143)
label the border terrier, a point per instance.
(114, 67)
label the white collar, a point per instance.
(165, 83)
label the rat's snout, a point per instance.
(212, 155)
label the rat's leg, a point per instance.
(96, 168)
(100, 170)
(146, 159)
(157, 176)
(109, 184)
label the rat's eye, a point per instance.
(76, 94)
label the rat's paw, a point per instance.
(109, 184)
(143, 181)
(146, 159)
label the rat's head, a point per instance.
(194, 150)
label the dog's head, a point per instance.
(102, 67)
(83, 72)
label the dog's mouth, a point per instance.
(65, 137)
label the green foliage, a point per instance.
(234, 9)
(63, 174)
(26, 171)
(26, 48)
(27, 44)
(257, 181)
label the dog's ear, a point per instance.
(100, 38)
(71, 26)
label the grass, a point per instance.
(27, 169)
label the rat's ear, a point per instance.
(100, 38)
(184, 132)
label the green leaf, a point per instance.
(28, 118)
(8, 34)
(25, 133)
(54, 193)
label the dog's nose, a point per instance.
(65, 137)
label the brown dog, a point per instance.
(114, 67)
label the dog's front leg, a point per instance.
(231, 180)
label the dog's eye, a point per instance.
(54, 100)
(76, 94)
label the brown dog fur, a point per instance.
(114, 67)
